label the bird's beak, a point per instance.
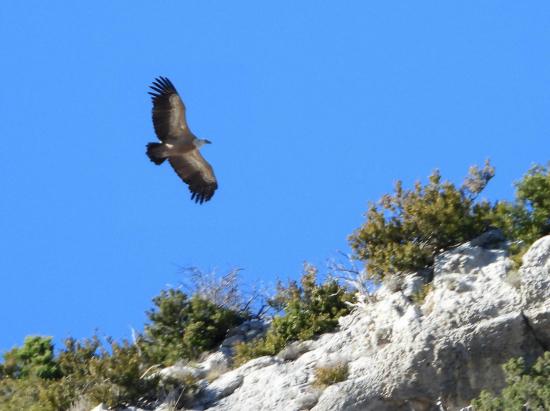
(207, 141)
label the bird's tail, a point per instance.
(156, 153)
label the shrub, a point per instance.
(271, 344)
(526, 388)
(330, 374)
(528, 218)
(35, 358)
(75, 357)
(117, 374)
(116, 377)
(404, 231)
(182, 327)
(33, 394)
(309, 309)
(32, 377)
(113, 378)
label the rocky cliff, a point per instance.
(403, 352)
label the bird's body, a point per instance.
(178, 144)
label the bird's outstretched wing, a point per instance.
(168, 111)
(195, 171)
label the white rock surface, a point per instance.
(402, 356)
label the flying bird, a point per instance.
(178, 144)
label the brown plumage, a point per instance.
(178, 144)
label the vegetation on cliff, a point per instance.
(402, 233)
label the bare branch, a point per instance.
(357, 278)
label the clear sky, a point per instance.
(314, 108)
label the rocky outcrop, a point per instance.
(405, 354)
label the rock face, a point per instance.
(435, 354)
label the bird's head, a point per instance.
(201, 142)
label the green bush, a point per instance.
(116, 377)
(35, 358)
(182, 328)
(34, 394)
(309, 309)
(32, 377)
(528, 218)
(74, 359)
(526, 388)
(403, 232)
(111, 376)
(246, 351)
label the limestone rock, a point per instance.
(437, 354)
(293, 350)
(222, 387)
(538, 255)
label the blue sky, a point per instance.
(314, 108)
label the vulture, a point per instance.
(178, 144)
